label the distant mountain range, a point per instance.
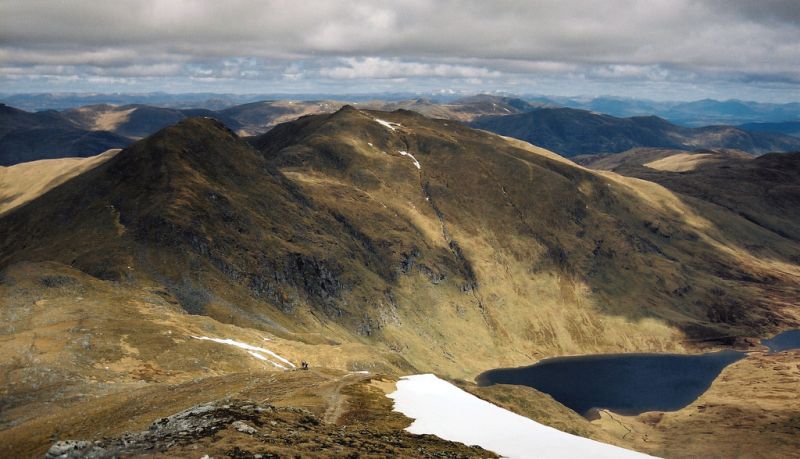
(63, 101)
(695, 113)
(572, 132)
(704, 112)
(211, 101)
(91, 129)
(787, 127)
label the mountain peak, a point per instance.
(200, 143)
(194, 131)
(347, 108)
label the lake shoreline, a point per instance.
(630, 383)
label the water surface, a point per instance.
(784, 341)
(628, 383)
(624, 383)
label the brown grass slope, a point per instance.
(764, 190)
(490, 254)
(22, 182)
(89, 359)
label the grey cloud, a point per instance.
(654, 40)
(769, 11)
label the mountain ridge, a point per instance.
(195, 266)
(91, 129)
(574, 132)
(198, 194)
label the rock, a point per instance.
(68, 449)
(243, 427)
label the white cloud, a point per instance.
(380, 68)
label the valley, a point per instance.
(399, 229)
(197, 267)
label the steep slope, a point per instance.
(763, 190)
(456, 249)
(194, 266)
(574, 132)
(28, 136)
(21, 183)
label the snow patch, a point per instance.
(255, 351)
(261, 357)
(416, 163)
(388, 124)
(444, 410)
(257, 355)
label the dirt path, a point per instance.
(336, 400)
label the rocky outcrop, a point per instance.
(258, 431)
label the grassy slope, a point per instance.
(763, 190)
(21, 183)
(489, 255)
(493, 253)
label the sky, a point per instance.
(652, 49)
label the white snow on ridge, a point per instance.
(416, 163)
(252, 350)
(444, 410)
(388, 124)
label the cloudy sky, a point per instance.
(657, 49)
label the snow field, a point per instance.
(444, 410)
